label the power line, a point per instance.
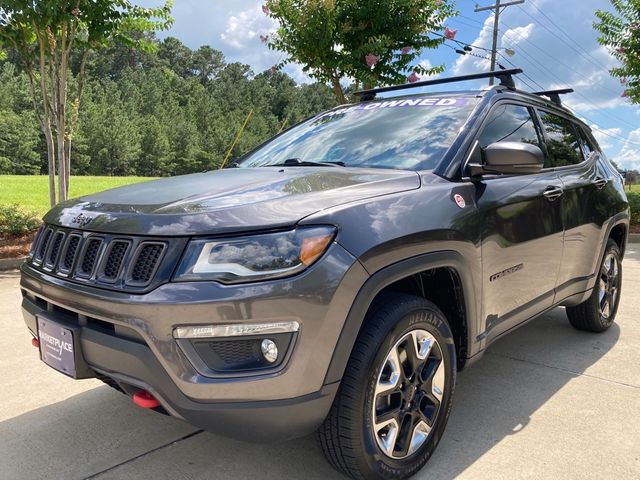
(549, 72)
(468, 24)
(523, 73)
(584, 98)
(469, 18)
(608, 134)
(563, 33)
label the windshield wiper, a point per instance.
(296, 162)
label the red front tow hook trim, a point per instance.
(35, 342)
(145, 400)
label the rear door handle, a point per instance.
(600, 183)
(552, 193)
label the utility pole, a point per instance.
(496, 22)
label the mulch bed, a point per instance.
(15, 246)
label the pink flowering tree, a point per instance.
(620, 31)
(369, 42)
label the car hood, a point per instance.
(234, 199)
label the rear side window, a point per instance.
(563, 146)
(588, 147)
(509, 123)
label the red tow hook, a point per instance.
(35, 342)
(144, 399)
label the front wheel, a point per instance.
(598, 312)
(396, 394)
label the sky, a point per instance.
(552, 40)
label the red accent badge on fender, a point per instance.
(459, 199)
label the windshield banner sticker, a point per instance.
(408, 102)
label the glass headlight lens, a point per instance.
(255, 257)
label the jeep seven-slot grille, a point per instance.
(115, 262)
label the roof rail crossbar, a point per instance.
(505, 77)
(554, 95)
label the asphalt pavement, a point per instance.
(545, 402)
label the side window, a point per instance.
(563, 147)
(587, 144)
(509, 123)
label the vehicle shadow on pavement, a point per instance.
(94, 432)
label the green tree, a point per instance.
(372, 41)
(206, 63)
(620, 31)
(19, 144)
(44, 34)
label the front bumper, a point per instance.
(128, 338)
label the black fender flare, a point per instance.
(388, 275)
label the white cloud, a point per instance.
(629, 156)
(243, 29)
(515, 36)
(604, 135)
(470, 64)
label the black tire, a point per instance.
(590, 316)
(347, 435)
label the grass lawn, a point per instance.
(32, 191)
(634, 188)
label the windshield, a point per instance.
(407, 134)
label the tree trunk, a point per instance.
(337, 90)
(51, 157)
(46, 120)
(67, 147)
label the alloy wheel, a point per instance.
(408, 394)
(608, 285)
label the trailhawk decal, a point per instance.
(409, 102)
(504, 273)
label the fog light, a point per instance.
(269, 350)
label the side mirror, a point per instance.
(509, 158)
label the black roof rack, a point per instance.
(505, 77)
(554, 95)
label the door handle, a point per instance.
(553, 193)
(600, 183)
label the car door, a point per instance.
(585, 206)
(521, 227)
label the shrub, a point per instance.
(15, 220)
(634, 205)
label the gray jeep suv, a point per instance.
(337, 277)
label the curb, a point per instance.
(634, 238)
(10, 263)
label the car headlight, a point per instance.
(255, 257)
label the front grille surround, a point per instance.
(147, 258)
(89, 256)
(43, 245)
(68, 256)
(53, 252)
(116, 262)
